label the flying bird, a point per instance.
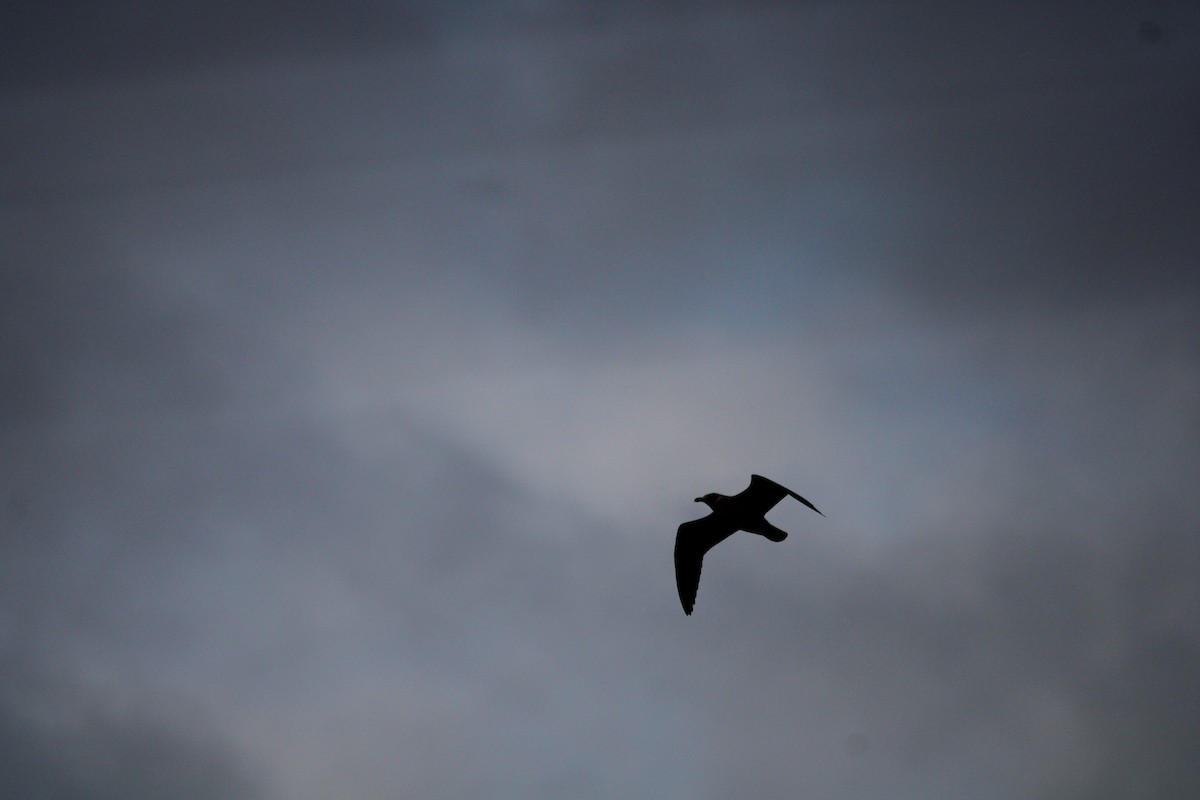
(742, 512)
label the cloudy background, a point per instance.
(358, 361)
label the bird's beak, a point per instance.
(698, 500)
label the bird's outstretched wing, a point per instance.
(692, 541)
(763, 493)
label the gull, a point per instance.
(742, 512)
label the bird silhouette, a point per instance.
(742, 512)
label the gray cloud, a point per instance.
(351, 395)
(73, 741)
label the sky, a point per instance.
(358, 362)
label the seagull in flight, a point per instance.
(742, 512)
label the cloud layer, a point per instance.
(351, 393)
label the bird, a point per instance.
(745, 511)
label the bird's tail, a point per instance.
(767, 530)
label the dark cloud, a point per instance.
(68, 741)
(71, 42)
(351, 393)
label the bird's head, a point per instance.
(711, 500)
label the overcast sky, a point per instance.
(358, 362)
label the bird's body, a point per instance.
(742, 512)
